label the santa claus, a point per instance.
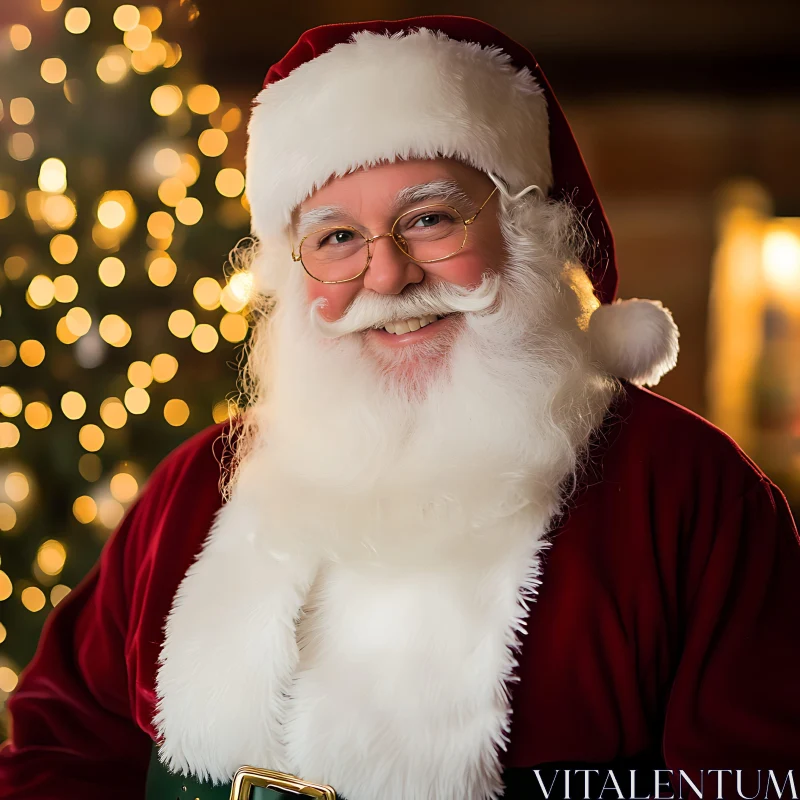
(452, 543)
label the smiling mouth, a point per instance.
(401, 326)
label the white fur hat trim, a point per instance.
(379, 98)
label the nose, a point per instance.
(390, 269)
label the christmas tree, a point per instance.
(119, 320)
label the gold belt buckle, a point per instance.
(248, 777)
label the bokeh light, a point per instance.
(233, 327)
(202, 99)
(51, 557)
(8, 352)
(123, 487)
(166, 100)
(176, 412)
(151, 17)
(167, 162)
(58, 593)
(10, 402)
(63, 248)
(9, 434)
(91, 438)
(73, 405)
(21, 146)
(204, 338)
(171, 191)
(111, 213)
(160, 224)
(53, 70)
(38, 415)
(16, 487)
(84, 509)
(21, 110)
(8, 517)
(41, 291)
(126, 17)
(207, 293)
(137, 400)
(111, 271)
(114, 330)
(189, 211)
(229, 182)
(164, 366)
(7, 204)
(189, 171)
(212, 142)
(110, 513)
(52, 175)
(63, 333)
(138, 38)
(77, 20)
(78, 321)
(59, 212)
(33, 598)
(140, 374)
(181, 323)
(20, 37)
(162, 270)
(111, 68)
(5, 586)
(31, 352)
(113, 413)
(65, 288)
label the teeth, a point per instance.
(408, 325)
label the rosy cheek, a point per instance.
(465, 271)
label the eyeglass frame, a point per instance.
(298, 256)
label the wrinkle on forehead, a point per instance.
(445, 189)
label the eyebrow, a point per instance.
(432, 190)
(443, 189)
(316, 217)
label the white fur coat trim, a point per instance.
(400, 689)
(381, 97)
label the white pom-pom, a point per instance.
(634, 339)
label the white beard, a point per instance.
(406, 522)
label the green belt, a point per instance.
(165, 785)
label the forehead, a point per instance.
(381, 183)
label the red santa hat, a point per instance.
(353, 95)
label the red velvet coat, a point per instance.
(668, 614)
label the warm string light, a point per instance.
(53, 209)
(7, 204)
(53, 70)
(21, 146)
(21, 110)
(20, 37)
(77, 20)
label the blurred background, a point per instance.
(122, 140)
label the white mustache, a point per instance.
(371, 310)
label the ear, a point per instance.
(634, 339)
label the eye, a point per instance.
(336, 237)
(429, 220)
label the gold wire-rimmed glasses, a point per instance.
(426, 235)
